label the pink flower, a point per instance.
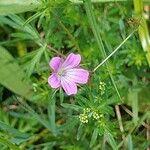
(67, 74)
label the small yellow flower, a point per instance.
(96, 115)
(102, 86)
(83, 118)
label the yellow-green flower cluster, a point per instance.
(89, 113)
(102, 87)
(96, 115)
(86, 110)
(83, 118)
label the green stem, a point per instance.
(111, 54)
(92, 20)
(95, 29)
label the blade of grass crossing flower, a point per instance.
(143, 28)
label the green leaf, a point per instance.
(18, 23)
(51, 112)
(95, 29)
(35, 60)
(36, 116)
(143, 28)
(36, 15)
(111, 140)
(8, 143)
(69, 124)
(11, 75)
(6, 128)
(17, 6)
(94, 137)
(133, 99)
(71, 106)
(79, 132)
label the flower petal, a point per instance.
(69, 87)
(55, 63)
(54, 81)
(73, 60)
(78, 75)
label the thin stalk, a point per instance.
(131, 114)
(117, 109)
(92, 20)
(111, 54)
(95, 29)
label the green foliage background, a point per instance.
(111, 112)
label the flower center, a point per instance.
(61, 72)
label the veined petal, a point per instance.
(73, 60)
(69, 87)
(77, 75)
(55, 63)
(54, 81)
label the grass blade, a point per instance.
(9, 144)
(12, 77)
(17, 6)
(143, 28)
